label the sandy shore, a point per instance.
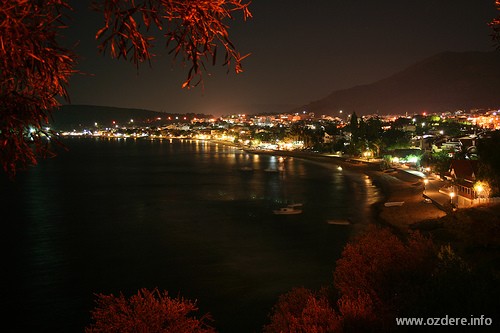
(394, 186)
(400, 186)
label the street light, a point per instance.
(367, 154)
(452, 195)
(426, 181)
(479, 189)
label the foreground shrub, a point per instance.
(147, 311)
(358, 314)
(301, 310)
(381, 270)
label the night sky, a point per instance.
(301, 51)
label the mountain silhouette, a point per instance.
(83, 116)
(448, 81)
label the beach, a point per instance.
(473, 232)
(399, 186)
(395, 186)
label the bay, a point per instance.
(111, 216)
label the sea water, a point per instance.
(114, 216)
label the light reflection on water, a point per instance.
(113, 216)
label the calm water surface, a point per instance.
(180, 215)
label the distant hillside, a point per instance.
(445, 82)
(76, 116)
(69, 117)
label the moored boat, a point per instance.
(288, 210)
(339, 222)
(394, 203)
(246, 169)
(294, 205)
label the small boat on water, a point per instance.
(290, 209)
(287, 211)
(294, 205)
(339, 222)
(246, 169)
(394, 203)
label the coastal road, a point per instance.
(431, 190)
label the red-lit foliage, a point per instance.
(317, 317)
(34, 71)
(192, 29)
(147, 311)
(289, 306)
(358, 313)
(378, 277)
(378, 270)
(495, 26)
(301, 310)
(381, 277)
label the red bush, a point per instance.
(300, 310)
(147, 311)
(378, 273)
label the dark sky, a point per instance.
(301, 52)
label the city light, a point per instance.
(482, 189)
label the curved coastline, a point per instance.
(397, 186)
(333, 162)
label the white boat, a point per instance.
(294, 205)
(339, 222)
(291, 208)
(394, 203)
(287, 211)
